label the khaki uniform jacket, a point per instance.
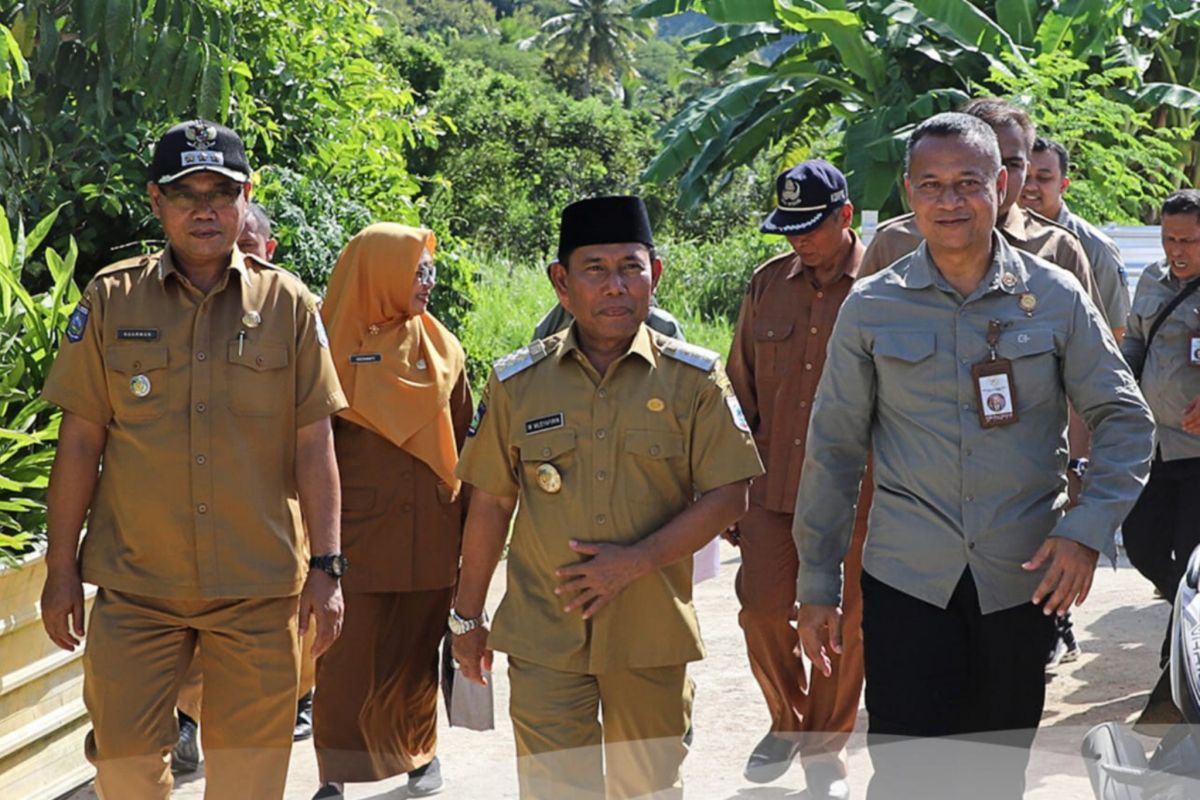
(202, 396)
(401, 532)
(632, 448)
(776, 360)
(1021, 228)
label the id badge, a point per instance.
(1194, 351)
(995, 393)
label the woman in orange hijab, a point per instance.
(375, 706)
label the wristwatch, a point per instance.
(333, 564)
(459, 625)
(1079, 466)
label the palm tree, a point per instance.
(592, 40)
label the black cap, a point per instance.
(199, 146)
(807, 194)
(603, 220)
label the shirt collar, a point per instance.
(1014, 224)
(640, 346)
(1064, 214)
(921, 273)
(166, 263)
(850, 265)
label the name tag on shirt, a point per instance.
(138, 334)
(366, 358)
(1194, 351)
(996, 393)
(547, 423)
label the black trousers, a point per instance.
(954, 696)
(1164, 526)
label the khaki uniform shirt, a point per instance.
(632, 447)
(1022, 228)
(401, 530)
(1169, 380)
(197, 495)
(776, 360)
(949, 494)
(1108, 267)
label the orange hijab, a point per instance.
(397, 371)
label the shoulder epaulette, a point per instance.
(690, 354)
(262, 262)
(518, 361)
(137, 262)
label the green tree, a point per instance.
(592, 42)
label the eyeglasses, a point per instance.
(186, 199)
(427, 274)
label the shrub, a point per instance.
(30, 327)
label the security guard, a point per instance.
(627, 452)
(1162, 345)
(954, 368)
(1022, 228)
(201, 376)
(775, 362)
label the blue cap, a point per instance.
(807, 194)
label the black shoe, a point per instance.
(426, 780)
(329, 791)
(825, 782)
(303, 719)
(770, 759)
(185, 756)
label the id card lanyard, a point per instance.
(995, 387)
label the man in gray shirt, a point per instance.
(1162, 529)
(1043, 192)
(955, 367)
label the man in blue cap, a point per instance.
(775, 362)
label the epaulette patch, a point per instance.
(518, 361)
(690, 354)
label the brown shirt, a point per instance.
(202, 396)
(1022, 228)
(776, 361)
(400, 530)
(632, 448)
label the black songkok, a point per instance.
(603, 220)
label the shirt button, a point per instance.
(820, 295)
(201, 408)
(808, 367)
(654, 450)
(545, 452)
(970, 452)
(601, 475)
(970, 498)
(804, 404)
(970, 545)
(770, 334)
(201, 459)
(201, 356)
(137, 365)
(600, 434)
(813, 331)
(202, 508)
(601, 519)
(962, 361)
(258, 361)
(797, 442)
(966, 407)
(602, 393)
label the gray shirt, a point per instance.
(1108, 267)
(950, 495)
(1169, 381)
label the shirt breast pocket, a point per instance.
(1034, 357)
(548, 462)
(772, 342)
(138, 385)
(657, 460)
(905, 367)
(258, 380)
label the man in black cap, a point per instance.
(775, 362)
(628, 452)
(202, 378)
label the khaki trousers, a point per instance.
(557, 723)
(138, 650)
(821, 714)
(191, 691)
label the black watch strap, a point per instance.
(332, 564)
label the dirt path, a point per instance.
(1119, 630)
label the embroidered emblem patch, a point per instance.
(735, 411)
(478, 418)
(547, 423)
(322, 337)
(77, 323)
